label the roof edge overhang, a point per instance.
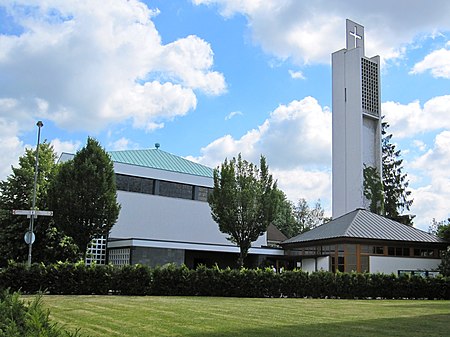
(345, 239)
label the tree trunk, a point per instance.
(242, 255)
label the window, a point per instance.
(203, 193)
(134, 184)
(364, 263)
(119, 256)
(351, 264)
(341, 264)
(164, 188)
(350, 249)
(398, 251)
(366, 249)
(424, 252)
(378, 250)
(350, 258)
(176, 190)
(310, 251)
(121, 182)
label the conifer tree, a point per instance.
(389, 196)
(83, 195)
(397, 197)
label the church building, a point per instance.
(165, 216)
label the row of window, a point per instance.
(161, 187)
(350, 249)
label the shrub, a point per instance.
(131, 280)
(173, 280)
(18, 319)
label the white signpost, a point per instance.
(29, 236)
(30, 212)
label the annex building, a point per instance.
(362, 241)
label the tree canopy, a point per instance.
(16, 193)
(442, 230)
(243, 201)
(389, 196)
(397, 197)
(83, 195)
(294, 219)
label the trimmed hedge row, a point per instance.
(171, 280)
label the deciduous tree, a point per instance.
(442, 229)
(243, 201)
(16, 193)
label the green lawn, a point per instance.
(214, 317)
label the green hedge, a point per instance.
(172, 280)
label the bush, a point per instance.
(131, 280)
(18, 319)
(173, 280)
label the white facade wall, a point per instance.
(145, 216)
(316, 264)
(347, 146)
(356, 136)
(323, 263)
(390, 264)
(309, 265)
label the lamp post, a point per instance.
(33, 207)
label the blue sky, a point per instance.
(208, 79)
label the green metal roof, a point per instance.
(161, 160)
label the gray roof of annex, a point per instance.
(362, 224)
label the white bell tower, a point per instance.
(356, 120)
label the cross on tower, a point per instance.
(355, 35)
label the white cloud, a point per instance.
(189, 60)
(407, 120)
(431, 200)
(123, 144)
(11, 147)
(305, 123)
(309, 184)
(420, 145)
(61, 146)
(437, 62)
(90, 63)
(233, 114)
(298, 75)
(302, 164)
(309, 31)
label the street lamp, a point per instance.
(33, 207)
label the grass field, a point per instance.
(214, 317)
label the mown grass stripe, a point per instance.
(216, 317)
